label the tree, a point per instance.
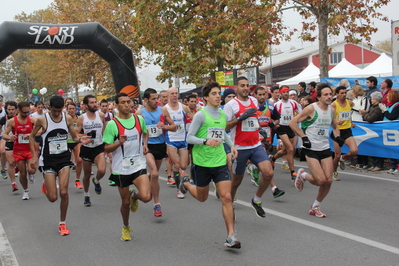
(384, 45)
(196, 38)
(332, 17)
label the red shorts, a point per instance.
(22, 155)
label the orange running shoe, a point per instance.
(44, 189)
(63, 230)
(78, 185)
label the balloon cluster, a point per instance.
(44, 91)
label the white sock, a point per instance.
(284, 162)
(273, 188)
(62, 222)
(303, 175)
(256, 199)
(87, 194)
(316, 203)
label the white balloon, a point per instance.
(43, 90)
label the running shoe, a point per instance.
(365, 167)
(216, 191)
(44, 189)
(249, 168)
(184, 179)
(299, 181)
(78, 185)
(31, 178)
(271, 158)
(376, 169)
(278, 193)
(396, 171)
(134, 203)
(317, 212)
(126, 233)
(25, 196)
(87, 202)
(232, 242)
(157, 210)
(341, 163)
(63, 230)
(258, 209)
(335, 177)
(391, 171)
(97, 186)
(171, 181)
(180, 195)
(112, 183)
(285, 166)
(4, 174)
(255, 175)
(293, 176)
(14, 187)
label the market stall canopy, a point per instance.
(310, 73)
(345, 69)
(382, 66)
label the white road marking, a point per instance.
(7, 256)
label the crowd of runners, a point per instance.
(208, 141)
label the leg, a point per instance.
(266, 169)
(154, 166)
(51, 187)
(86, 175)
(337, 156)
(63, 178)
(321, 175)
(353, 150)
(125, 211)
(11, 165)
(101, 165)
(224, 188)
(143, 185)
(22, 174)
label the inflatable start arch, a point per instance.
(93, 36)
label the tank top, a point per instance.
(247, 131)
(344, 113)
(55, 148)
(129, 158)
(156, 135)
(287, 110)
(178, 117)
(189, 120)
(212, 128)
(20, 130)
(317, 129)
(108, 117)
(93, 125)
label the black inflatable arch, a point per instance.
(93, 36)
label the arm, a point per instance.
(146, 135)
(171, 126)
(110, 133)
(103, 121)
(198, 120)
(373, 115)
(188, 111)
(7, 131)
(306, 113)
(38, 127)
(79, 125)
(74, 134)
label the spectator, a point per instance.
(386, 87)
(302, 90)
(372, 85)
(392, 113)
(305, 101)
(373, 115)
(312, 91)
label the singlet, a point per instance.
(247, 131)
(129, 158)
(156, 135)
(36, 115)
(317, 129)
(212, 128)
(178, 116)
(189, 120)
(20, 130)
(344, 113)
(55, 148)
(108, 117)
(264, 117)
(287, 110)
(2, 112)
(90, 125)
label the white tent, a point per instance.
(382, 66)
(310, 73)
(345, 69)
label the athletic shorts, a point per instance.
(89, 154)
(22, 155)
(180, 145)
(158, 150)
(255, 155)
(72, 145)
(190, 147)
(204, 175)
(318, 155)
(285, 130)
(39, 139)
(9, 146)
(54, 169)
(126, 180)
(344, 133)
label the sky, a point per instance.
(14, 7)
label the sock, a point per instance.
(62, 222)
(157, 204)
(316, 203)
(292, 171)
(96, 181)
(274, 159)
(77, 180)
(273, 188)
(257, 199)
(303, 175)
(26, 190)
(177, 178)
(87, 194)
(284, 162)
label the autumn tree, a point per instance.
(384, 45)
(331, 17)
(197, 38)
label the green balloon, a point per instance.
(34, 91)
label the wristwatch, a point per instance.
(204, 142)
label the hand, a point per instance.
(271, 125)
(85, 139)
(306, 142)
(382, 107)
(234, 152)
(214, 143)
(145, 149)
(122, 139)
(160, 125)
(340, 141)
(248, 113)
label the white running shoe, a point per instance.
(180, 195)
(31, 178)
(25, 196)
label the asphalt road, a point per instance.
(361, 227)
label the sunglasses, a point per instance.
(26, 112)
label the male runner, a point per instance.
(55, 157)
(126, 137)
(92, 123)
(21, 127)
(108, 116)
(155, 119)
(207, 133)
(315, 121)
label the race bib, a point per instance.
(93, 142)
(57, 147)
(215, 133)
(131, 162)
(286, 117)
(154, 131)
(21, 139)
(250, 124)
(179, 127)
(322, 132)
(346, 115)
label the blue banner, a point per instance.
(379, 139)
(361, 81)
